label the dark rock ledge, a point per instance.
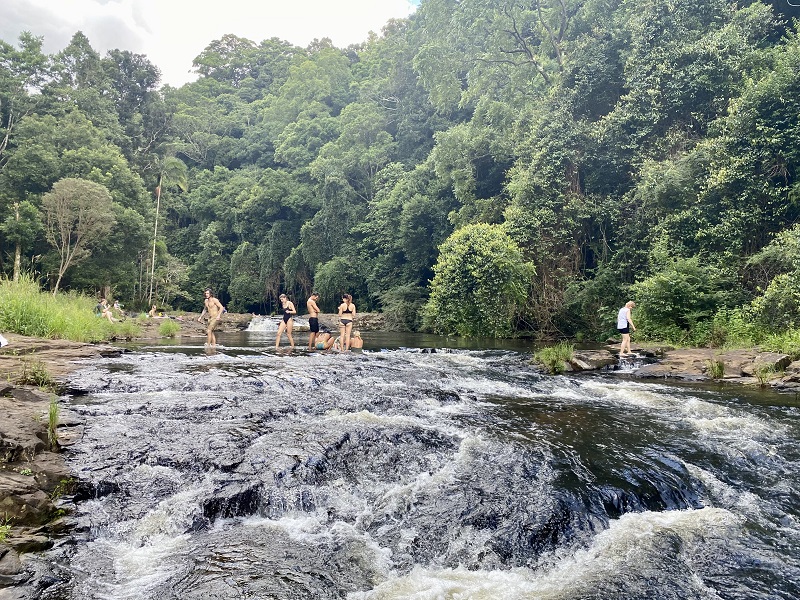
(33, 477)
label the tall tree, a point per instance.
(170, 170)
(78, 213)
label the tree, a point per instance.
(480, 278)
(78, 213)
(171, 170)
(21, 227)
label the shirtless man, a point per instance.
(214, 308)
(313, 319)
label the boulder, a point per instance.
(778, 362)
(21, 500)
(10, 565)
(590, 360)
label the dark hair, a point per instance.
(314, 294)
(208, 290)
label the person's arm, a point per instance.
(292, 309)
(353, 308)
(630, 320)
(341, 308)
(202, 314)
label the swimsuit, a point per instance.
(320, 345)
(287, 315)
(313, 324)
(346, 321)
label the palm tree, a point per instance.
(170, 170)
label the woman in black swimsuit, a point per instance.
(347, 314)
(288, 321)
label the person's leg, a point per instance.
(289, 327)
(625, 348)
(346, 338)
(281, 327)
(342, 329)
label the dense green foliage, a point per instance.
(605, 149)
(480, 280)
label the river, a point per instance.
(423, 468)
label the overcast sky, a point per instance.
(173, 32)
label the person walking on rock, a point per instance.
(214, 308)
(625, 326)
(313, 319)
(287, 323)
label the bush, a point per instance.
(554, 358)
(168, 329)
(787, 342)
(402, 307)
(480, 278)
(677, 303)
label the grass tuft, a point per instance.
(52, 423)
(715, 368)
(168, 329)
(763, 372)
(554, 358)
(35, 373)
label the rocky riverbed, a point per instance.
(34, 480)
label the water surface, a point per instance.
(422, 468)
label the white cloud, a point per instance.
(173, 32)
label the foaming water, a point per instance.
(250, 473)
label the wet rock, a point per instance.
(233, 501)
(777, 362)
(29, 543)
(588, 360)
(10, 565)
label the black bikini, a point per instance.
(346, 321)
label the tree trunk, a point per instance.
(155, 237)
(17, 261)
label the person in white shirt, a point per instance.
(625, 326)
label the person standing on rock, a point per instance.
(287, 323)
(313, 319)
(347, 314)
(625, 326)
(214, 308)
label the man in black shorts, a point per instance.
(313, 319)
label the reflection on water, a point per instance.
(404, 473)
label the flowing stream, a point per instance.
(403, 472)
